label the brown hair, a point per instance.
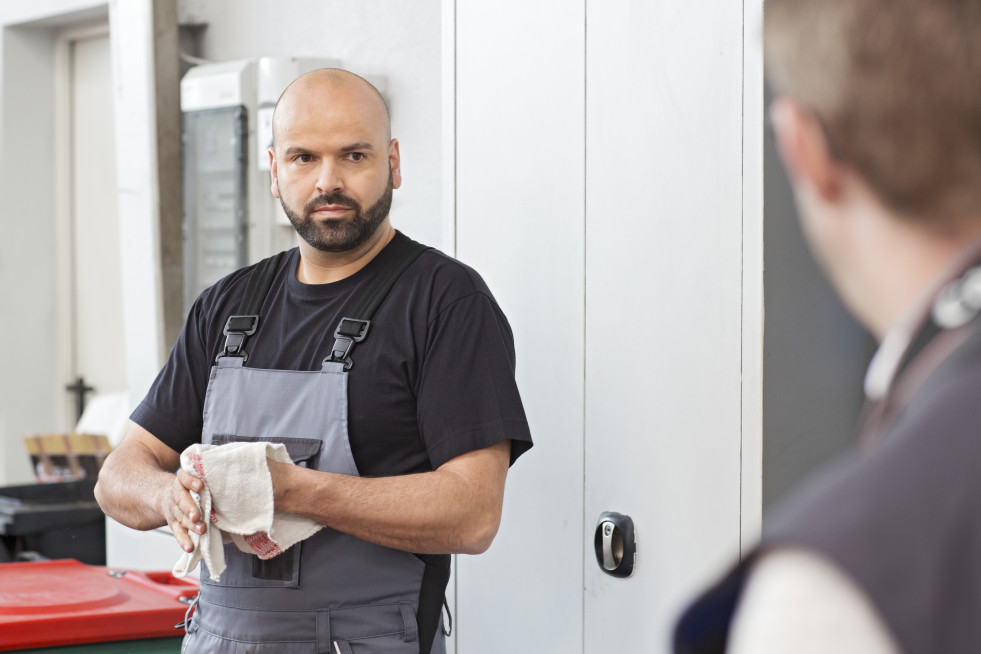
(897, 84)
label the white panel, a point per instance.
(98, 304)
(663, 300)
(448, 187)
(519, 143)
(226, 84)
(448, 127)
(131, 30)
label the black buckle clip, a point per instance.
(237, 331)
(349, 331)
(188, 624)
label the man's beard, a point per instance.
(340, 235)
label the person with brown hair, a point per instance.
(877, 118)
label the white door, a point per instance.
(96, 349)
(664, 305)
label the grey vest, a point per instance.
(331, 593)
(902, 519)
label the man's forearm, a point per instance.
(130, 486)
(137, 488)
(456, 509)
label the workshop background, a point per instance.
(604, 164)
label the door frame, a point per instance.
(753, 307)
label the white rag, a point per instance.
(237, 498)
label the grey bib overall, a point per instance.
(331, 593)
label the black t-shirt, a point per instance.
(433, 380)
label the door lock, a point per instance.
(616, 544)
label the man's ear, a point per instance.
(273, 186)
(395, 161)
(804, 148)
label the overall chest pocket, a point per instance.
(303, 451)
(283, 571)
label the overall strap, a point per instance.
(354, 328)
(432, 599)
(239, 327)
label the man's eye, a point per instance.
(302, 158)
(355, 156)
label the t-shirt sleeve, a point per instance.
(468, 398)
(796, 601)
(172, 408)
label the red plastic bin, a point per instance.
(54, 603)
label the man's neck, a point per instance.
(910, 268)
(318, 267)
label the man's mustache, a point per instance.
(335, 199)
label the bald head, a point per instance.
(333, 164)
(331, 92)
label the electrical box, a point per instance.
(230, 217)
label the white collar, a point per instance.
(885, 363)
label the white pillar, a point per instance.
(131, 29)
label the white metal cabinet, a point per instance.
(608, 179)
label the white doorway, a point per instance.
(91, 270)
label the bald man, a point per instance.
(402, 416)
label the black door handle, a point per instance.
(616, 544)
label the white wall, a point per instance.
(30, 384)
(28, 319)
(399, 39)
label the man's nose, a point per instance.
(329, 178)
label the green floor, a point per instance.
(146, 646)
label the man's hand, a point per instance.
(182, 513)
